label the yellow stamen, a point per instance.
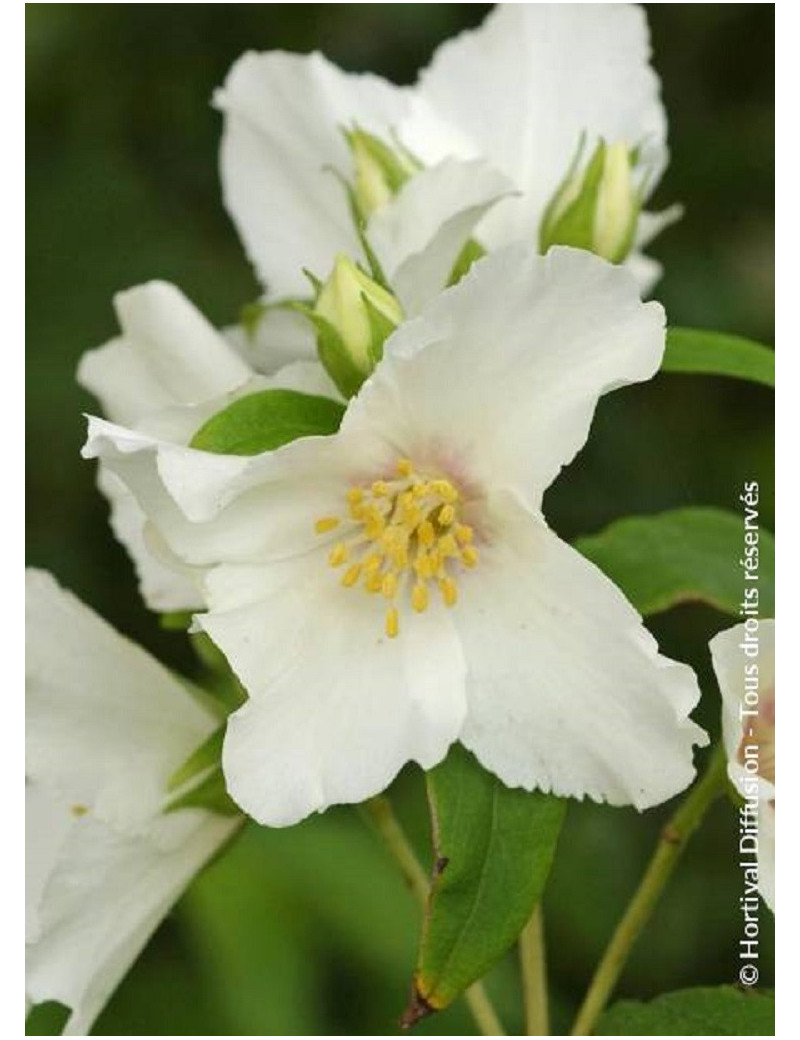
(447, 515)
(426, 534)
(449, 591)
(326, 523)
(352, 574)
(469, 556)
(419, 597)
(404, 526)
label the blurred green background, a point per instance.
(309, 931)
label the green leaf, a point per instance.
(494, 846)
(201, 759)
(266, 420)
(210, 793)
(682, 556)
(704, 352)
(705, 1011)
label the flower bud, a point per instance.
(380, 171)
(354, 316)
(595, 209)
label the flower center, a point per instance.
(403, 539)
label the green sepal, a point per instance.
(266, 420)
(394, 171)
(471, 252)
(200, 761)
(210, 793)
(175, 620)
(347, 377)
(380, 328)
(575, 226)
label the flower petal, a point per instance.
(501, 374)
(229, 508)
(521, 89)
(334, 724)
(420, 233)
(284, 117)
(100, 711)
(566, 690)
(730, 661)
(105, 899)
(281, 336)
(161, 587)
(168, 354)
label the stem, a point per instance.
(534, 975)
(673, 840)
(380, 813)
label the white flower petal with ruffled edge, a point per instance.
(105, 896)
(168, 354)
(419, 234)
(336, 723)
(500, 376)
(212, 508)
(282, 143)
(106, 724)
(162, 588)
(521, 90)
(566, 690)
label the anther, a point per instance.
(447, 515)
(469, 556)
(392, 622)
(352, 574)
(405, 467)
(389, 584)
(338, 555)
(326, 523)
(419, 597)
(449, 591)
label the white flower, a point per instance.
(167, 372)
(746, 678)
(430, 496)
(514, 97)
(106, 728)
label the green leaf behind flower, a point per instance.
(703, 352)
(705, 1011)
(266, 420)
(682, 556)
(494, 846)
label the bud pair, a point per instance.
(596, 209)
